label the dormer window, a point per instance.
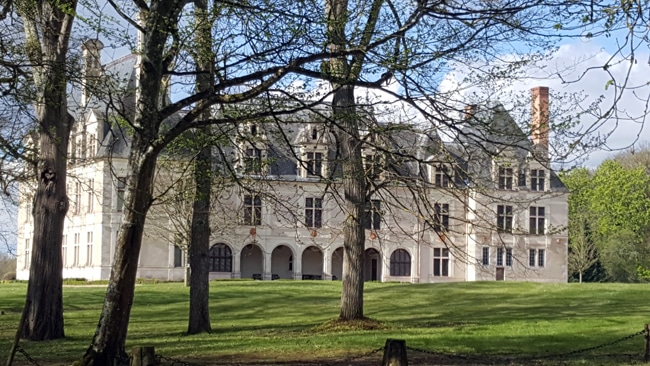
(253, 130)
(505, 178)
(442, 176)
(253, 161)
(537, 179)
(314, 134)
(371, 166)
(314, 163)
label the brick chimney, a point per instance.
(539, 119)
(470, 110)
(92, 67)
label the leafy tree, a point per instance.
(620, 199)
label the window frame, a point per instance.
(373, 215)
(505, 178)
(252, 210)
(253, 160)
(400, 263)
(441, 176)
(505, 218)
(508, 257)
(537, 220)
(314, 212)
(314, 163)
(485, 256)
(537, 181)
(441, 262)
(440, 217)
(500, 255)
(220, 257)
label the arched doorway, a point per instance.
(220, 258)
(372, 268)
(252, 262)
(337, 264)
(282, 262)
(312, 263)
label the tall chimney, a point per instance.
(92, 68)
(539, 119)
(470, 110)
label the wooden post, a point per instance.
(647, 343)
(395, 353)
(143, 356)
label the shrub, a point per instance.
(9, 276)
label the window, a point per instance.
(75, 260)
(28, 256)
(314, 134)
(91, 194)
(252, 210)
(220, 258)
(28, 212)
(500, 257)
(290, 263)
(537, 220)
(121, 187)
(77, 198)
(314, 163)
(178, 256)
(440, 217)
(400, 263)
(442, 176)
(314, 212)
(537, 179)
(92, 145)
(64, 250)
(538, 254)
(371, 165)
(253, 130)
(504, 218)
(509, 257)
(505, 178)
(89, 248)
(253, 161)
(373, 215)
(441, 262)
(485, 260)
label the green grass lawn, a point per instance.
(255, 321)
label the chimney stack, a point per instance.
(92, 68)
(470, 110)
(540, 118)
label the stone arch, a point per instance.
(282, 262)
(337, 264)
(372, 270)
(312, 263)
(252, 261)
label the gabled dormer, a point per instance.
(253, 149)
(313, 146)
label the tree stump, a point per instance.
(143, 356)
(395, 353)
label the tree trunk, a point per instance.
(354, 189)
(47, 52)
(200, 237)
(346, 128)
(580, 275)
(200, 241)
(108, 343)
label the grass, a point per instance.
(255, 321)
